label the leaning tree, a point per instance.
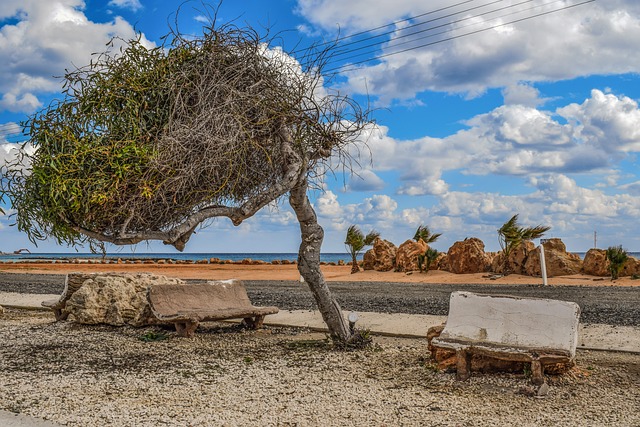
(149, 143)
(511, 236)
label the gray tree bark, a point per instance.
(309, 262)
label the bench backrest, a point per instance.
(213, 295)
(513, 321)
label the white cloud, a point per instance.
(49, 37)
(134, 5)
(606, 120)
(9, 153)
(522, 94)
(597, 38)
(514, 140)
(365, 180)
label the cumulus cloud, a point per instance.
(48, 38)
(126, 4)
(514, 140)
(592, 39)
(365, 180)
(607, 121)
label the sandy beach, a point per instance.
(290, 272)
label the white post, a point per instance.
(543, 265)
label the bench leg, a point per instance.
(186, 329)
(254, 322)
(463, 365)
(60, 314)
(537, 376)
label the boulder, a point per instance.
(407, 255)
(467, 256)
(595, 263)
(631, 267)
(559, 262)
(517, 259)
(115, 299)
(382, 257)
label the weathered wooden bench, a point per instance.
(187, 305)
(538, 331)
(72, 282)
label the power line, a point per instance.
(343, 52)
(351, 66)
(425, 22)
(411, 18)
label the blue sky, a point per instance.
(538, 118)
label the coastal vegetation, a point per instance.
(617, 257)
(426, 258)
(149, 143)
(355, 242)
(511, 236)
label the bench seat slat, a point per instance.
(188, 305)
(211, 315)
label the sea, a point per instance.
(268, 257)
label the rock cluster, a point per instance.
(407, 256)
(468, 256)
(382, 257)
(115, 299)
(558, 261)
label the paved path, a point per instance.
(10, 419)
(591, 336)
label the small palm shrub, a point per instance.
(617, 256)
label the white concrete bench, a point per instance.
(187, 305)
(539, 331)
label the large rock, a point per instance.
(559, 262)
(115, 299)
(596, 263)
(631, 267)
(407, 255)
(467, 256)
(517, 259)
(382, 257)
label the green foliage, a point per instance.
(511, 235)
(426, 259)
(361, 339)
(94, 147)
(617, 257)
(423, 232)
(151, 336)
(355, 242)
(145, 138)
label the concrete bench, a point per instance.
(72, 282)
(539, 331)
(188, 305)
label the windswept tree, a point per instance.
(149, 143)
(424, 233)
(511, 235)
(426, 259)
(355, 243)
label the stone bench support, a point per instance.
(536, 331)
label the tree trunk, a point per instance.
(355, 268)
(309, 263)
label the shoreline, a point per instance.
(332, 273)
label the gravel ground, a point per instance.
(599, 304)
(79, 375)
